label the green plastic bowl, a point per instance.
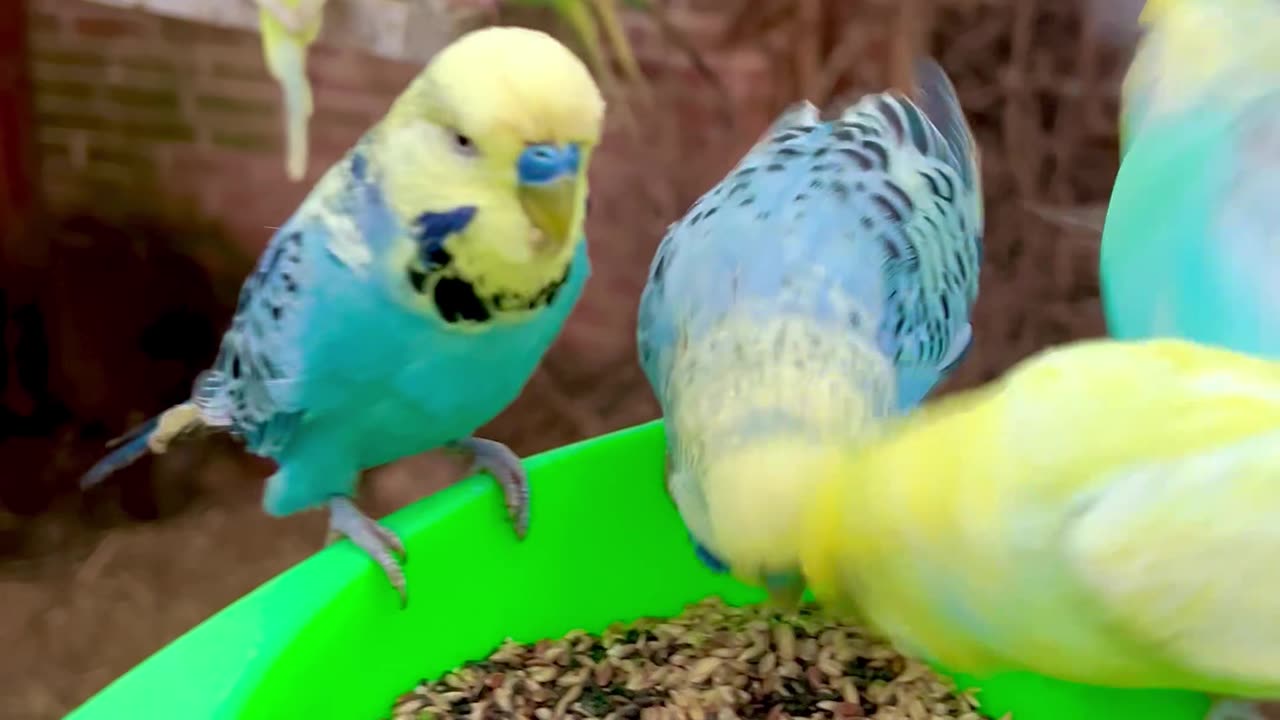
(327, 638)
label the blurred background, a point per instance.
(141, 171)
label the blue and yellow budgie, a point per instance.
(288, 27)
(1189, 247)
(824, 284)
(412, 294)
(1105, 513)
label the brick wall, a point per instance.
(129, 102)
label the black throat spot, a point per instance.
(456, 299)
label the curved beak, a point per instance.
(549, 190)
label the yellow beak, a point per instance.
(551, 208)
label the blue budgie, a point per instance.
(412, 294)
(824, 284)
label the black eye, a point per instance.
(463, 143)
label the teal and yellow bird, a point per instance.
(1105, 514)
(824, 284)
(414, 291)
(1189, 246)
(288, 28)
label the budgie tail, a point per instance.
(154, 435)
(936, 96)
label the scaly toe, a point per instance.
(378, 542)
(504, 465)
(391, 540)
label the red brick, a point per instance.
(345, 119)
(354, 101)
(69, 88)
(326, 151)
(167, 64)
(157, 128)
(52, 55)
(129, 96)
(264, 93)
(246, 141)
(104, 28)
(50, 149)
(329, 137)
(56, 135)
(231, 105)
(44, 23)
(242, 129)
(71, 114)
(72, 119)
(349, 70)
(191, 34)
(146, 75)
(200, 163)
(243, 71)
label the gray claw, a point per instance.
(367, 534)
(498, 460)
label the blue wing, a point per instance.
(252, 388)
(933, 286)
(260, 385)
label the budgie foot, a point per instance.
(1235, 710)
(503, 464)
(380, 543)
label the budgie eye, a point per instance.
(463, 144)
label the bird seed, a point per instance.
(712, 662)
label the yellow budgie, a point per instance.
(288, 27)
(1107, 513)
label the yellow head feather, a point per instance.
(1155, 9)
(454, 139)
(1198, 52)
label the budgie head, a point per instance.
(766, 408)
(1199, 53)
(484, 157)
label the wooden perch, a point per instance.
(408, 30)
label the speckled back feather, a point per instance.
(884, 167)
